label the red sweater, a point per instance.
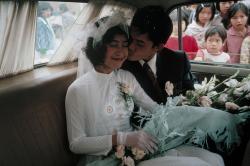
(189, 45)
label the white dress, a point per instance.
(95, 108)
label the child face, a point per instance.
(205, 16)
(116, 54)
(239, 21)
(224, 6)
(214, 44)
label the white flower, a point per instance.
(231, 106)
(125, 88)
(238, 92)
(211, 94)
(128, 161)
(246, 87)
(204, 101)
(169, 88)
(138, 153)
(211, 83)
(232, 83)
(223, 98)
(202, 85)
(248, 96)
(205, 86)
(120, 151)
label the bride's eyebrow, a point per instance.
(116, 41)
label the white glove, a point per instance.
(139, 139)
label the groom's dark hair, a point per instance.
(154, 21)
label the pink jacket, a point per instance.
(233, 44)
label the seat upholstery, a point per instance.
(246, 159)
(33, 124)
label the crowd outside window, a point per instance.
(68, 17)
(204, 14)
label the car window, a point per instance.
(54, 19)
(209, 34)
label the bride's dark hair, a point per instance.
(96, 53)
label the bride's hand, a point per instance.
(139, 139)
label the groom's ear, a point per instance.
(159, 47)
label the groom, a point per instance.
(151, 63)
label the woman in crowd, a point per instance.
(245, 51)
(203, 16)
(238, 30)
(45, 36)
(221, 17)
(189, 42)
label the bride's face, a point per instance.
(116, 54)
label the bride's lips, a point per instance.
(119, 59)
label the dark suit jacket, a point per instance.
(171, 66)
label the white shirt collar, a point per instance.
(151, 63)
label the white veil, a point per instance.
(118, 13)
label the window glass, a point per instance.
(54, 19)
(214, 33)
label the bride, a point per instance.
(100, 102)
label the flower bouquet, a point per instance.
(129, 156)
(121, 155)
(230, 95)
(187, 119)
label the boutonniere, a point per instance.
(169, 88)
(126, 95)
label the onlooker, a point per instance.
(67, 17)
(45, 37)
(245, 51)
(214, 39)
(238, 16)
(189, 43)
(221, 17)
(190, 10)
(204, 14)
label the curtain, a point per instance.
(17, 36)
(70, 49)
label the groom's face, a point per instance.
(141, 47)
